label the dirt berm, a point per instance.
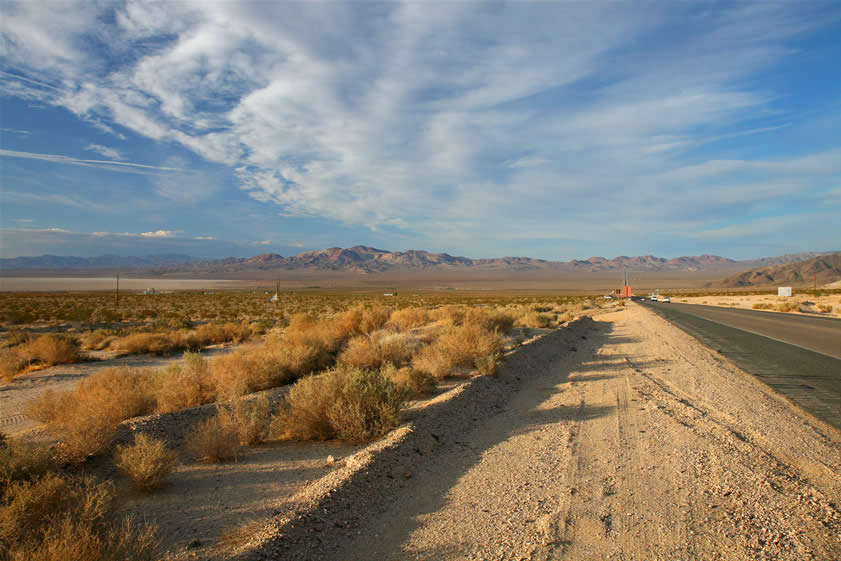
(618, 437)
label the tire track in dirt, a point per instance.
(635, 443)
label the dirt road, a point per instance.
(629, 441)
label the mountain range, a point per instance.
(820, 270)
(368, 260)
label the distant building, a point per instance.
(150, 291)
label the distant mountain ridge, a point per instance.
(370, 260)
(823, 269)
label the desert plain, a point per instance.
(600, 431)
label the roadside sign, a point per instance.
(783, 291)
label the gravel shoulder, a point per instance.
(619, 438)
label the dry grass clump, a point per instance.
(763, 306)
(146, 462)
(408, 318)
(361, 319)
(250, 418)
(306, 331)
(167, 342)
(180, 386)
(248, 370)
(86, 418)
(410, 381)
(787, 307)
(346, 403)
(53, 518)
(451, 314)
(825, 308)
(374, 351)
(11, 364)
(214, 440)
(467, 345)
(97, 340)
(535, 319)
(53, 349)
(21, 460)
(153, 343)
(45, 350)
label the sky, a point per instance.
(552, 130)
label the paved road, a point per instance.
(799, 356)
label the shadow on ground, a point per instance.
(373, 515)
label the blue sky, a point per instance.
(545, 129)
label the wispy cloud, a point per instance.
(127, 167)
(110, 153)
(15, 131)
(76, 201)
(440, 124)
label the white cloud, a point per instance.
(159, 234)
(445, 122)
(204, 237)
(110, 153)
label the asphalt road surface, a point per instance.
(799, 356)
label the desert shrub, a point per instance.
(305, 331)
(434, 360)
(216, 333)
(51, 349)
(825, 308)
(96, 340)
(250, 418)
(32, 506)
(213, 440)
(21, 460)
(458, 346)
(787, 307)
(11, 363)
(407, 318)
(154, 343)
(346, 403)
(534, 319)
(361, 320)
(147, 461)
(180, 386)
(486, 364)
(451, 314)
(377, 349)
(53, 518)
(86, 418)
(247, 370)
(763, 306)
(499, 320)
(409, 380)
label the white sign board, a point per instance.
(783, 291)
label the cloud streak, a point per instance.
(127, 167)
(437, 124)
